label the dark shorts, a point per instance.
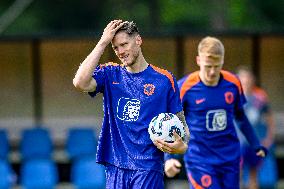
(214, 177)
(118, 178)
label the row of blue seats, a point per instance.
(38, 170)
(37, 142)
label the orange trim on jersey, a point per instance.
(260, 93)
(194, 183)
(109, 64)
(190, 81)
(166, 73)
(233, 79)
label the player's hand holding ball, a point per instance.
(167, 132)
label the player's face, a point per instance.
(210, 69)
(126, 48)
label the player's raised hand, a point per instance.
(176, 147)
(172, 167)
(110, 30)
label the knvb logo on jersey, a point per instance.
(149, 89)
(229, 97)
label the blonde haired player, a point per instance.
(212, 99)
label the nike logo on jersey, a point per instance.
(115, 83)
(199, 101)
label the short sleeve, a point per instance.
(241, 99)
(99, 76)
(174, 99)
(180, 83)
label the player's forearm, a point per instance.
(181, 117)
(83, 76)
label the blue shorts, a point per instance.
(119, 178)
(213, 176)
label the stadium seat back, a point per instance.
(39, 173)
(7, 176)
(87, 174)
(4, 144)
(80, 142)
(268, 172)
(36, 142)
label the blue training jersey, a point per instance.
(131, 100)
(209, 112)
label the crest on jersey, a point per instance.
(149, 89)
(128, 109)
(216, 120)
(229, 97)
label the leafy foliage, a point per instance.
(91, 16)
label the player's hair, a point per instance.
(129, 27)
(211, 47)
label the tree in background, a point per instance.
(164, 16)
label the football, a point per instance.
(163, 126)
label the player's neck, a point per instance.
(139, 65)
(209, 83)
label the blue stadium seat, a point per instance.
(4, 144)
(36, 142)
(87, 174)
(268, 173)
(81, 142)
(7, 175)
(39, 174)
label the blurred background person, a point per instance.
(257, 172)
